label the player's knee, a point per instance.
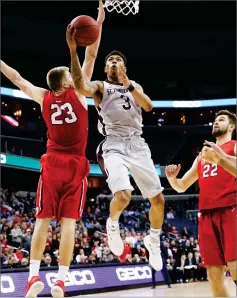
(157, 200)
(123, 198)
(42, 225)
(67, 225)
(216, 275)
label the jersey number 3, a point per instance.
(209, 170)
(127, 105)
(59, 110)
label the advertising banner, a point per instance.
(13, 284)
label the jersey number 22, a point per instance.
(209, 170)
(59, 110)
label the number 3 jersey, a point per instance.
(217, 186)
(119, 115)
(67, 122)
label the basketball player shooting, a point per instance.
(215, 170)
(119, 101)
(62, 185)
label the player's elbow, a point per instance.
(148, 107)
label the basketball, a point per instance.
(87, 30)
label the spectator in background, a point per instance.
(197, 261)
(185, 232)
(203, 270)
(24, 262)
(190, 269)
(179, 269)
(170, 215)
(26, 241)
(47, 261)
(17, 236)
(168, 250)
(127, 251)
(81, 258)
(174, 231)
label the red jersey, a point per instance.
(67, 122)
(217, 186)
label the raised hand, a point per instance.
(172, 171)
(70, 37)
(101, 13)
(209, 155)
(123, 78)
(217, 149)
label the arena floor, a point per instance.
(197, 289)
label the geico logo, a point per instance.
(3, 158)
(187, 104)
(133, 273)
(74, 278)
(7, 285)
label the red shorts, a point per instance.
(62, 186)
(217, 236)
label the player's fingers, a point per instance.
(173, 169)
(69, 27)
(74, 33)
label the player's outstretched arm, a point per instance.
(92, 51)
(36, 93)
(214, 154)
(82, 86)
(140, 97)
(181, 184)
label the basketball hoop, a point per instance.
(124, 7)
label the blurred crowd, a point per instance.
(17, 221)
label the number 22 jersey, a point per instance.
(217, 186)
(67, 122)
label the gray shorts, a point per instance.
(122, 156)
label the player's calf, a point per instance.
(216, 279)
(117, 205)
(152, 241)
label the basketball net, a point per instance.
(124, 7)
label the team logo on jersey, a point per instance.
(113, 90)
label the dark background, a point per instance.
(174, 49)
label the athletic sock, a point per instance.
(62, 272)
(155, 234)
(34, 268)
(113, 223)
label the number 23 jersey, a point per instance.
(119, 115)
(217, 186)
(67, 122)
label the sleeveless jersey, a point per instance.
(119, 115)
(217, 186)
(67, 122)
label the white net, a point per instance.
(124, 7)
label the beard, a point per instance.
(217, 132)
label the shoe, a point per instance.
(34, 287)
(115, 241)
(169, 286)
(153, 287)
(155, 259)
(57, 289)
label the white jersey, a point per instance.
(119, 115)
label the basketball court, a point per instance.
(193, 289)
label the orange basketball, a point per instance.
(87, 30)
